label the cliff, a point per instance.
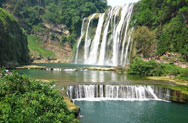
(13, 42)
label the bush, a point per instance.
(151, 68)
(183, 74)
(173, 69)
(23, 100)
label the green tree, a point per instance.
(145, 41)
(32, 13)
(13, 42)
(23, 100)
(168, 18)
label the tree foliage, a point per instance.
(152, 68)
(13, 41)
(68, 12)
(145, 41)
(23, 100)
(169, 18)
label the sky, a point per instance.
(120, 2)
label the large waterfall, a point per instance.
(106, 37)
(117, 92)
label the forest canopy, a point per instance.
(69, 12)
(169, 20)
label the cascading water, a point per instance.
(87, 39)
(79, 41)
(117, 92)
(108, 42)
(95, 44)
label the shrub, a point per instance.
(172, 69)
(183, 74)
(151, 68)
(23, 100)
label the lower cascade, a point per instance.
(117, 92)
(106, 38)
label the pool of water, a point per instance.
(76, 76)
(132, 112)
(68, 65)
(82, 75)
(112, 111)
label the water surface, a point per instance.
(132, 112)
(112, 111)
(68, 73)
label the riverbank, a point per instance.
(31, 67)
(163, 81)
(71, 106)
(169, 79)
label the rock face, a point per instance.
(13, 42)
(53, 32)
(51, 37)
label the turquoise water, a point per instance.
(64, 65)
(132, 112)
(112, 111)
(82, 75)
(75, 76)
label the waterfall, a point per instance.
(79, 41)
(117, 92)
(95, 44)
(107, 37)
(87, 40)
(103, 45)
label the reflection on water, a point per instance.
(76, 76)
(69, 73)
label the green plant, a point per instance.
(168, 18)
(172, 69)
(32, 13)
(13, 41)
(23, 100)
(151, 68)
(34, 43)
(183, 74)
(145, 41)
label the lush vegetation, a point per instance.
(23, 100)
(68, 14)
(36, 50)
(13, 41)
(32, 13)
(145, 41)
(152, 68)
(169, 20)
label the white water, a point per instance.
(95, 44)
(116, 92)
(87, 40)
(103, 45)
(107, 45)
(79, 41)
(125, 37)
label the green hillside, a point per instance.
(13, 42)
(168, 20)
